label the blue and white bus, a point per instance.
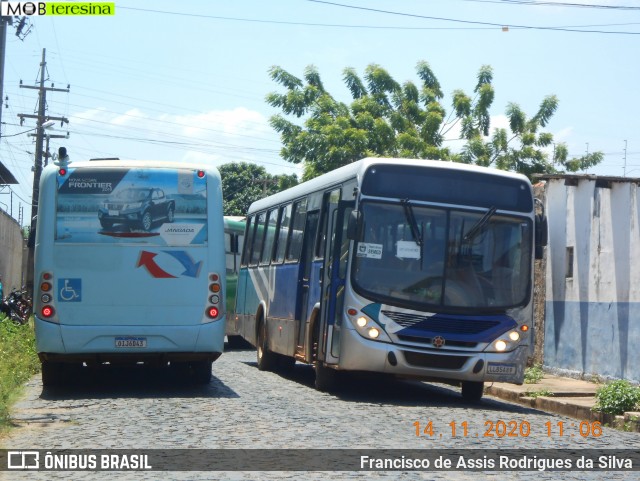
(414, 268)
(129, 267)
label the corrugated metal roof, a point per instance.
(6, 177)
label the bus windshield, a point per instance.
(437, 258)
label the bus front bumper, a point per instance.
(431, 364)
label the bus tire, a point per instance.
(472, 390)
(201, 371)
(266, 359)
(51, 374)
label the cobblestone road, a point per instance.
(245, 408)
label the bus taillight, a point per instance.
(213, 310)
(45, 295)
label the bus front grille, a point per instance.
(435, 361)
(441, 324)
(428, 340)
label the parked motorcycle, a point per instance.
(16, 306)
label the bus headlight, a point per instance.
(367, 327)
(506, 342)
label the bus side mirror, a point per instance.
(354, 228)
(541, 235)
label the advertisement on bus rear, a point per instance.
(161, 207)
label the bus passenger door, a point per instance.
(307, 297)
(333, 279)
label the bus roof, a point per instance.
(234, 223)
(171, 164)
(357, 169)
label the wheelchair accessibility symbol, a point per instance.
(69, 290)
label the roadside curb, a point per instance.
(575, 404)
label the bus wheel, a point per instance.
(51, 374)
(325, 377)
(472, 390)
(201, 371)
(266, 359)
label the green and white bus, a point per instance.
(234, 227)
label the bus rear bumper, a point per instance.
(64, 343)
(432, 364)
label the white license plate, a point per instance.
(131, 342)
(495, 368)
(114, 212)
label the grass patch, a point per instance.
(18, 362)
(533, 374)
(539, 392)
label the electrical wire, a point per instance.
(472, 22)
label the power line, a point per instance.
(561, 4)
(483, 25)
(472, 22)
(304, 24)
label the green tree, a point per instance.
(244, 183)
(389, 119)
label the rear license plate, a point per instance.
(129, 342)
(496, 368)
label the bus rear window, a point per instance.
(119, 205)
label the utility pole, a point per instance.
(3, 46)
(264, 183)
(41, 118)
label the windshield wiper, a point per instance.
(411, 218)
(477, 227)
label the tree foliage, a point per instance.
(389, 119)
(244, 183)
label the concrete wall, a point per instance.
(11, 252)
(592, 317)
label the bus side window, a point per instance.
(228, 250)
(270, 235)
(283, 233)
(258, 238)
(246, 251)
(297, 230)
